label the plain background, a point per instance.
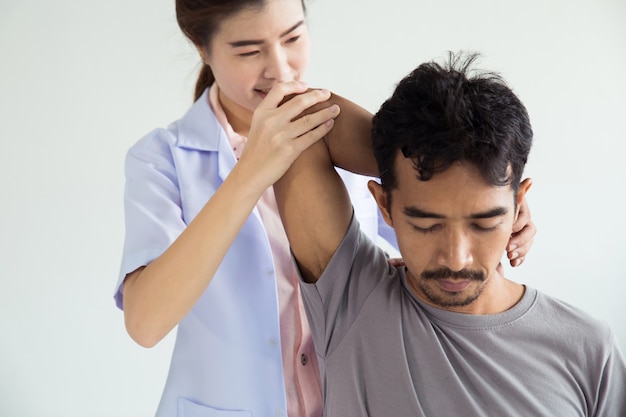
(81, 81)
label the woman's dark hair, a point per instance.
(439, 115)
(200, 20)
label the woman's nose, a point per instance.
(277, 66)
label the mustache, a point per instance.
(445, 273)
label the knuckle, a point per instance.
(321, 92)
(307, 120)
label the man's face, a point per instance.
(452, 231)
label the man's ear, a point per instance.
(381, 199)
(521, 194)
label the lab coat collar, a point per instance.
(199, 130)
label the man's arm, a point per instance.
(312, 199)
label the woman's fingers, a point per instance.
(524, 231)
(308, 110)
(307, 139)
(520, 244)
(281, 90)
(303, 116)
(308, 122)
(291, 115)
(281, 129)
(294, 100)
(523, 217)
(395, 262)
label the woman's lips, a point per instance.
(262, 92)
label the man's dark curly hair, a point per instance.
(440, 115)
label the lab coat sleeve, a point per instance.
(152, 203)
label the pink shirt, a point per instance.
(302, 382)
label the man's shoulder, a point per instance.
(573, 320)
(363, 252)
(357, 259)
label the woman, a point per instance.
(205, 249)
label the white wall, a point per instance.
(80, 81)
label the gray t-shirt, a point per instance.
(382, 352)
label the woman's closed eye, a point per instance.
(249, 53)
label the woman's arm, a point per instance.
(159, 295)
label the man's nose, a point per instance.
(455, 251)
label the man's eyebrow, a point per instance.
(239, 44)
(489, 214)
(423, 214)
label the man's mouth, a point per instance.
(453, 285)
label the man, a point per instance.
(447, 334)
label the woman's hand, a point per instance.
(524, 231)
(395, 262)
(279, 132)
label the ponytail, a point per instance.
(205, 80)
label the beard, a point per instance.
(445, 299)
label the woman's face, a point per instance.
(255, 49)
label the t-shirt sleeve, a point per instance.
(612, 388)
(152, 206)
(334, 301)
